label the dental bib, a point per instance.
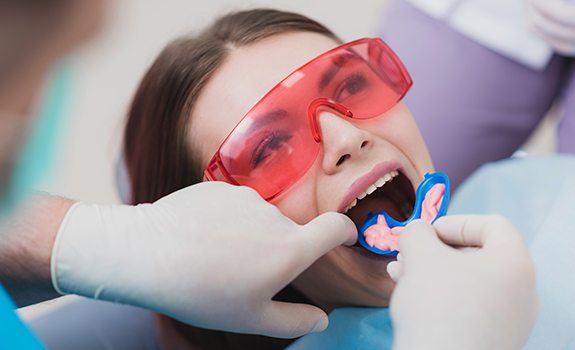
(379, 232)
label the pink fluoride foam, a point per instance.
(432, 202)
(381, 236)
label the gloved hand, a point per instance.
(211, 255)
(446, 298)
(554, 21)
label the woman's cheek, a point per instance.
(413, 145)
(400, 129)
(326, 283)
(299, 202)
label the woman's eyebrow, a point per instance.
(337, 63)
(268, 118)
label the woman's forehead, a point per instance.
(262, 65)
(247, 74)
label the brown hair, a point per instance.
(156, 151)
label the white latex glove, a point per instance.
(554, 21)
(447, 298)
(211, 255)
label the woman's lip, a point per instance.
(361, 184)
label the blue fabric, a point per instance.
(13, 333)
(34, 163)
(537, 195)
(351, 328)
(37, 155)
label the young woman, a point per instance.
(333, 135)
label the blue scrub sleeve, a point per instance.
(13, 333)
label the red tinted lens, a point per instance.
(270, 149)
(273, 147)
(370, 80)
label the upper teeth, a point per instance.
(378, 183)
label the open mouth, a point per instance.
(392, 193)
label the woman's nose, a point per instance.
(342, 141)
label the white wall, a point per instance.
(107, 71)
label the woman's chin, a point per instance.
(371, 298)
(363, 298)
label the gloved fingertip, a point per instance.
(347, 226)
(394, 269)
(332, 229)
(321, 325)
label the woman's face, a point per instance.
(354, 155)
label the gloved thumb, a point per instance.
(478, 231)
(292, 320)
(326, 232)
(418, 239)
